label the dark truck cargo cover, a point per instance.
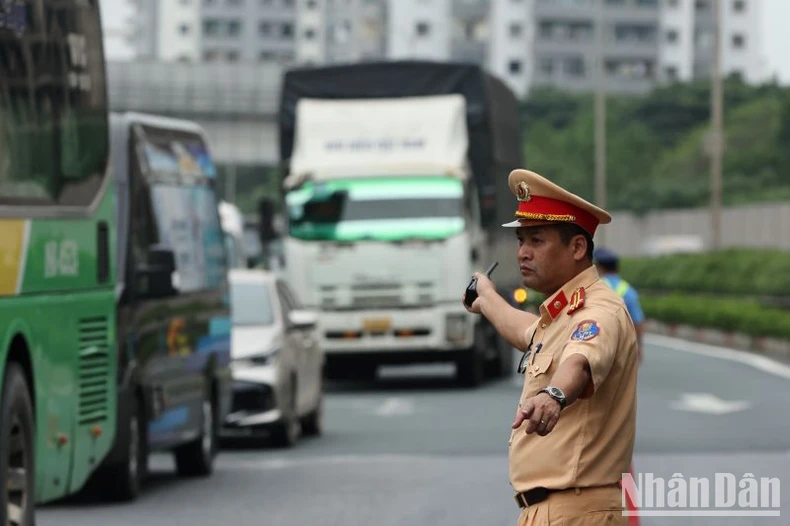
(495, 142)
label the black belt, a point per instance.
(536, 495)
(533, 496)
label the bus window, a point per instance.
(53, 107)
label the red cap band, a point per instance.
(540, 208)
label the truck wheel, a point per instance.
(197, 457)
(470, 365)
(17, 454)
(122, 481)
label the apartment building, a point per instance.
(687, 38)
(526, 42)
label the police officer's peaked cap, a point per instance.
(542, 202)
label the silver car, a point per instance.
(277, 360)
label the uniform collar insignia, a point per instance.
(577, 300)
(556, 304)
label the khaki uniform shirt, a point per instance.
(593, 441)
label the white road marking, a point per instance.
(708, 403)
(395, 407)
(759, 362)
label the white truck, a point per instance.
(384, 227)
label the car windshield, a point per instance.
(251, 304)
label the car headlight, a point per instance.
(455, 327)
(258, 359)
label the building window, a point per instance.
(266, 2)
(265, 55)
(210, 55)
(423, 29)
(514, 66)
(516, 30)
(672, 36)
(312, 4)
(233, 56)
(186, 2)
(264, 29)
(702, 4)
(547, 66)
(739, 6)
(184, 59)
(287, 30)
(673, 3)
(574, 66)
(288, 3)
(738, 41)
(309, 33)
(234, 28)
(211, 27)
(235, 3)
(671, 73)
(183, 29)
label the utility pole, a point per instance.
(600, 114)
(717, 135)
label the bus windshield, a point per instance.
(377, 209)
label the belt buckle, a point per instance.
(521, 500)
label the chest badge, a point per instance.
(577, 300)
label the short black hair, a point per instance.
(568, 231)
(609, 266)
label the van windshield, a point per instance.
(377, 209)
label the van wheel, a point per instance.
(123, 481)
(17, 455)
(197, 457)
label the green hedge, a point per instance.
(730, 315)
(737, 271)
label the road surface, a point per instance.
(413, 449)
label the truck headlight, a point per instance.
(455, 327)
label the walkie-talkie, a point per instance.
(471, 289)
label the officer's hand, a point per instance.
(484, 286)
(541, 413)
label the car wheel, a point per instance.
(286, 431)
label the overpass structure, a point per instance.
(236, 103)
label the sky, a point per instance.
(776, 36)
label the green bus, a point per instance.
(57, 314)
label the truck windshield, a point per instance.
(377, 209)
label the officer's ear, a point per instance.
(582, 247)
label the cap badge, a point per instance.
(522, 192)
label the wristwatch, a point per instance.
(556, 393)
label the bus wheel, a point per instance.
(17, 438)
(197, 457)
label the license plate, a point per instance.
(377, 324)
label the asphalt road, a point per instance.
(413, 449)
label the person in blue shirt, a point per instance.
(608, 264)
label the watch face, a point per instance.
(556, 392)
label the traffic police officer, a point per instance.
(573, 435)
(608, 264)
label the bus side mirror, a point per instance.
(155, 276)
